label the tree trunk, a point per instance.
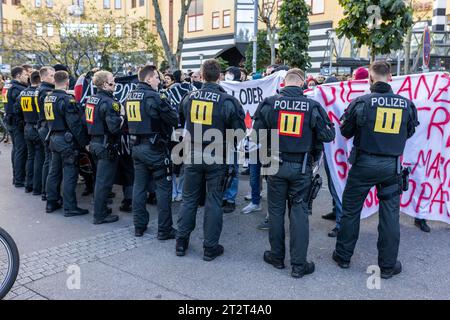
(408, 50)
(372, 55)
(271, 35)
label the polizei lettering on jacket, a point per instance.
(391, 102)
(205, 96)
(93, 100)
(136, 96)
(292, 105)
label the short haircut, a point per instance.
(146, 71)
(170, 76)
(294, 75)
(35, 78)
(61, 77)
(100, 78)
(211, 70)
(27, 66)
(16, 71)
(45, 70)
(380, 68)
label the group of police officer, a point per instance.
(48, 122)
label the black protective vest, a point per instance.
(139, 122)
(95, 120)
(291, 116)
(12, 97)
(43, 90)
(54, 105)
(385, 130)
(29, 105)
(204, 109)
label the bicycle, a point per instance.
(9, 263)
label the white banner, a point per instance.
(427, 152)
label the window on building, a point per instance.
(5, 25)
(141, 3)
(107, 30)
(195, 16)
(15, 2)
(79, 3)
(49, 3)
(317, 6)
(39, 29)
(226, 18)
(106, 4)
(216, 20)
(37, 3)
(50, 31)
(133, 3)
(17, 27)
(118, 30)
(118, 4)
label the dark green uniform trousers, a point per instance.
(194, 175)
(369, 171)
(289, 182)
(149, 164)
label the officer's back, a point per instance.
(380, 123)
(208, 108)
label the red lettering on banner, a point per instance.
(412, 188)
(422, 195)
(425, 162)
(352, 91)
(446, 172)
(325, 98)
(342, 164)
(333, 117)
(423, 79)
(442, 90)
(439, 198)
(448, 143)
(342, 91)
(437, 124)
(408, 88)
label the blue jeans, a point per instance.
(255, 182)
(231, 193)
(337, 205)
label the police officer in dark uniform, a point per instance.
(151, 120)
(380, 123)
(67, 137)
(302, 124)
(35, 159)
(15, 124)
(47, 85)
(104, 124)
(208, 108)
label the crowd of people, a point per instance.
(54, 136)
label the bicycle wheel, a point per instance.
(9, 262)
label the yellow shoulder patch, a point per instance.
(116, 107)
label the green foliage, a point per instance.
(263, 56)
(294, 33)
(360, 19)
(223, 63)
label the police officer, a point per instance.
(15, 124)
(208, 108)
(301, 123)
(47, 85)
(151, 119)
(380, 123)
(67, 136)
(104, 124)
(35, 159)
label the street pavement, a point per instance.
(113, 264)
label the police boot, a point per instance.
(422, 225)
(329, 216)
(181, 246)
(126, 205)
(139, 232)
(28, 189)
(210, 254)
(167, 235)
(386, 274)
(44, 196)
(52, 206)
(76, 212)
(270, 259)
(108, 219)
(341, 263)
(299, 271)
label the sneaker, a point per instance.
(229, 207)
(179, 198)
(251, 208)
(75, 212)
(264, 225)
(212, 253)
(107, 219)
(248, 197)
(422, 225)
(300, 271)
(181, 246)
(139, 232)
(387, 274)
(329, 216)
